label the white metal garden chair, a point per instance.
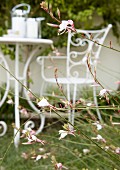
(80, 46)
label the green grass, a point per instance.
(69, 151)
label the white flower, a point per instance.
(41, 149)
(99, 138)
(103, 92)
(85, 151)
(28, 131)
(33, 138)
(89, 104)
(59, 165)
(38, 157)
(117, 150)
(106, 148)
(66, 26)
(68, 130)
(63, 133)
(10, 101)
(43, 103)
(30, 135)
(98, 125)
(63, 25)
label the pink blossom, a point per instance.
(117, 150)
(65, 26)
(29, 134)
(59, 166)
(103, 92)
(24, 111)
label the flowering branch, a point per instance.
(65, 26)
(44, 6)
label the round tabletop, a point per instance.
(27, 41)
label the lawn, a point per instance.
(75, 153)
(79, 152)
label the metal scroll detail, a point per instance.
(3, 128)
(83, 45)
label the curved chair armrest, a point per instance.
(40, 58)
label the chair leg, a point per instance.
(42, 123)
(96, 104)
(41, 89)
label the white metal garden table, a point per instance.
(34, 46)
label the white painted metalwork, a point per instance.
(3, 62)
(35, 45)
(7, 85)
(3, 126)
(29, 124)
(80, 46)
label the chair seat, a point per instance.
(71, 80)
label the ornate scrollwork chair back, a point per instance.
(83, 51)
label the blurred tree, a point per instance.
(82, 12)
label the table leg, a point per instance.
(35, 51)
(17, 116)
